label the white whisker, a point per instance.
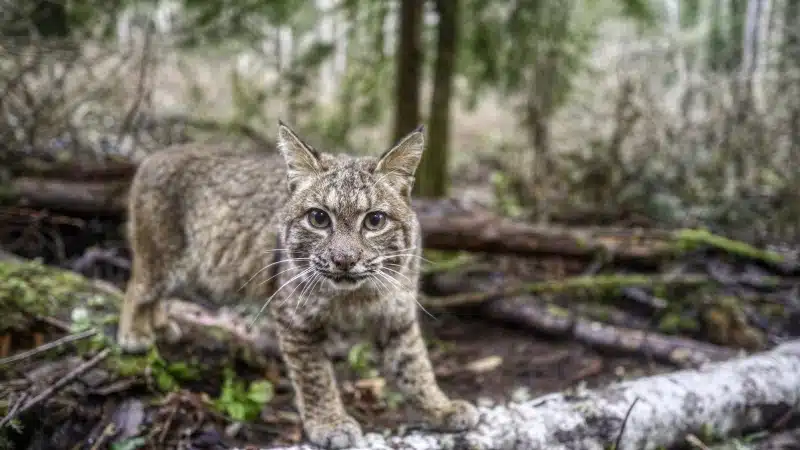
(399, 251)
(267, 267)
(383, 290)
(391, 280)
(399, 273)
(268, 279)
(319, 280)
(302, 283)
(304, 272)
(306, 290)
(415, 297)
(411, 255)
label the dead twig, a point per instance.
(108, 433)
(67, 379)
(13, 411)
(53, 322)
(168, 423)
(540, 317)
(624, 422)
(49, 346)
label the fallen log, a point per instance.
(721, 400)
(547, 319)
(598, 284)
(446, 224)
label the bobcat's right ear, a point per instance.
(301, 159)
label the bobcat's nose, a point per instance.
(344, 261)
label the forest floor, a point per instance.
(482, 362)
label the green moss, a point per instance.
(690, 239)
(674, 322)
(774, 310)
(558, 311)
(610, 284)
(166, 375)
(31, 289)
(444, 261)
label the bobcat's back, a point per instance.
(208, 217)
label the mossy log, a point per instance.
(716, 402)
(446, 224)
(32, 294)
(548, 319)
(597, 285)
(31, 291)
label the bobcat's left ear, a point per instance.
(399, 163)
(302, 161)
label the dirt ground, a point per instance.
(475, 360)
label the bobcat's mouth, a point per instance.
(347, 278)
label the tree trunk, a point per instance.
(409, 66)
(726, 399)
(432, 175)
(790, 70)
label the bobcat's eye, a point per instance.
(318, 218)
(375, 221)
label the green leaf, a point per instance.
(129, 444)
(260, 392)
(182, 370)
(640, 10)
(237, 412)
(165, 382)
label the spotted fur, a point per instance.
(346, 258)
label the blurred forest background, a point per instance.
(676, 112)
(596, 171)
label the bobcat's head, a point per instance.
(349, 219)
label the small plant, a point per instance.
(362, 359)
(243, 404)
(393, 399)
(167, 376)
(134, 443)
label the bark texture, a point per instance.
(723, 399)
(408, 69)
(432, 175)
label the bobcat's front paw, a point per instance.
(134, 342)
(337, 433)
(459, 416)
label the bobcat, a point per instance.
(340, 237)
